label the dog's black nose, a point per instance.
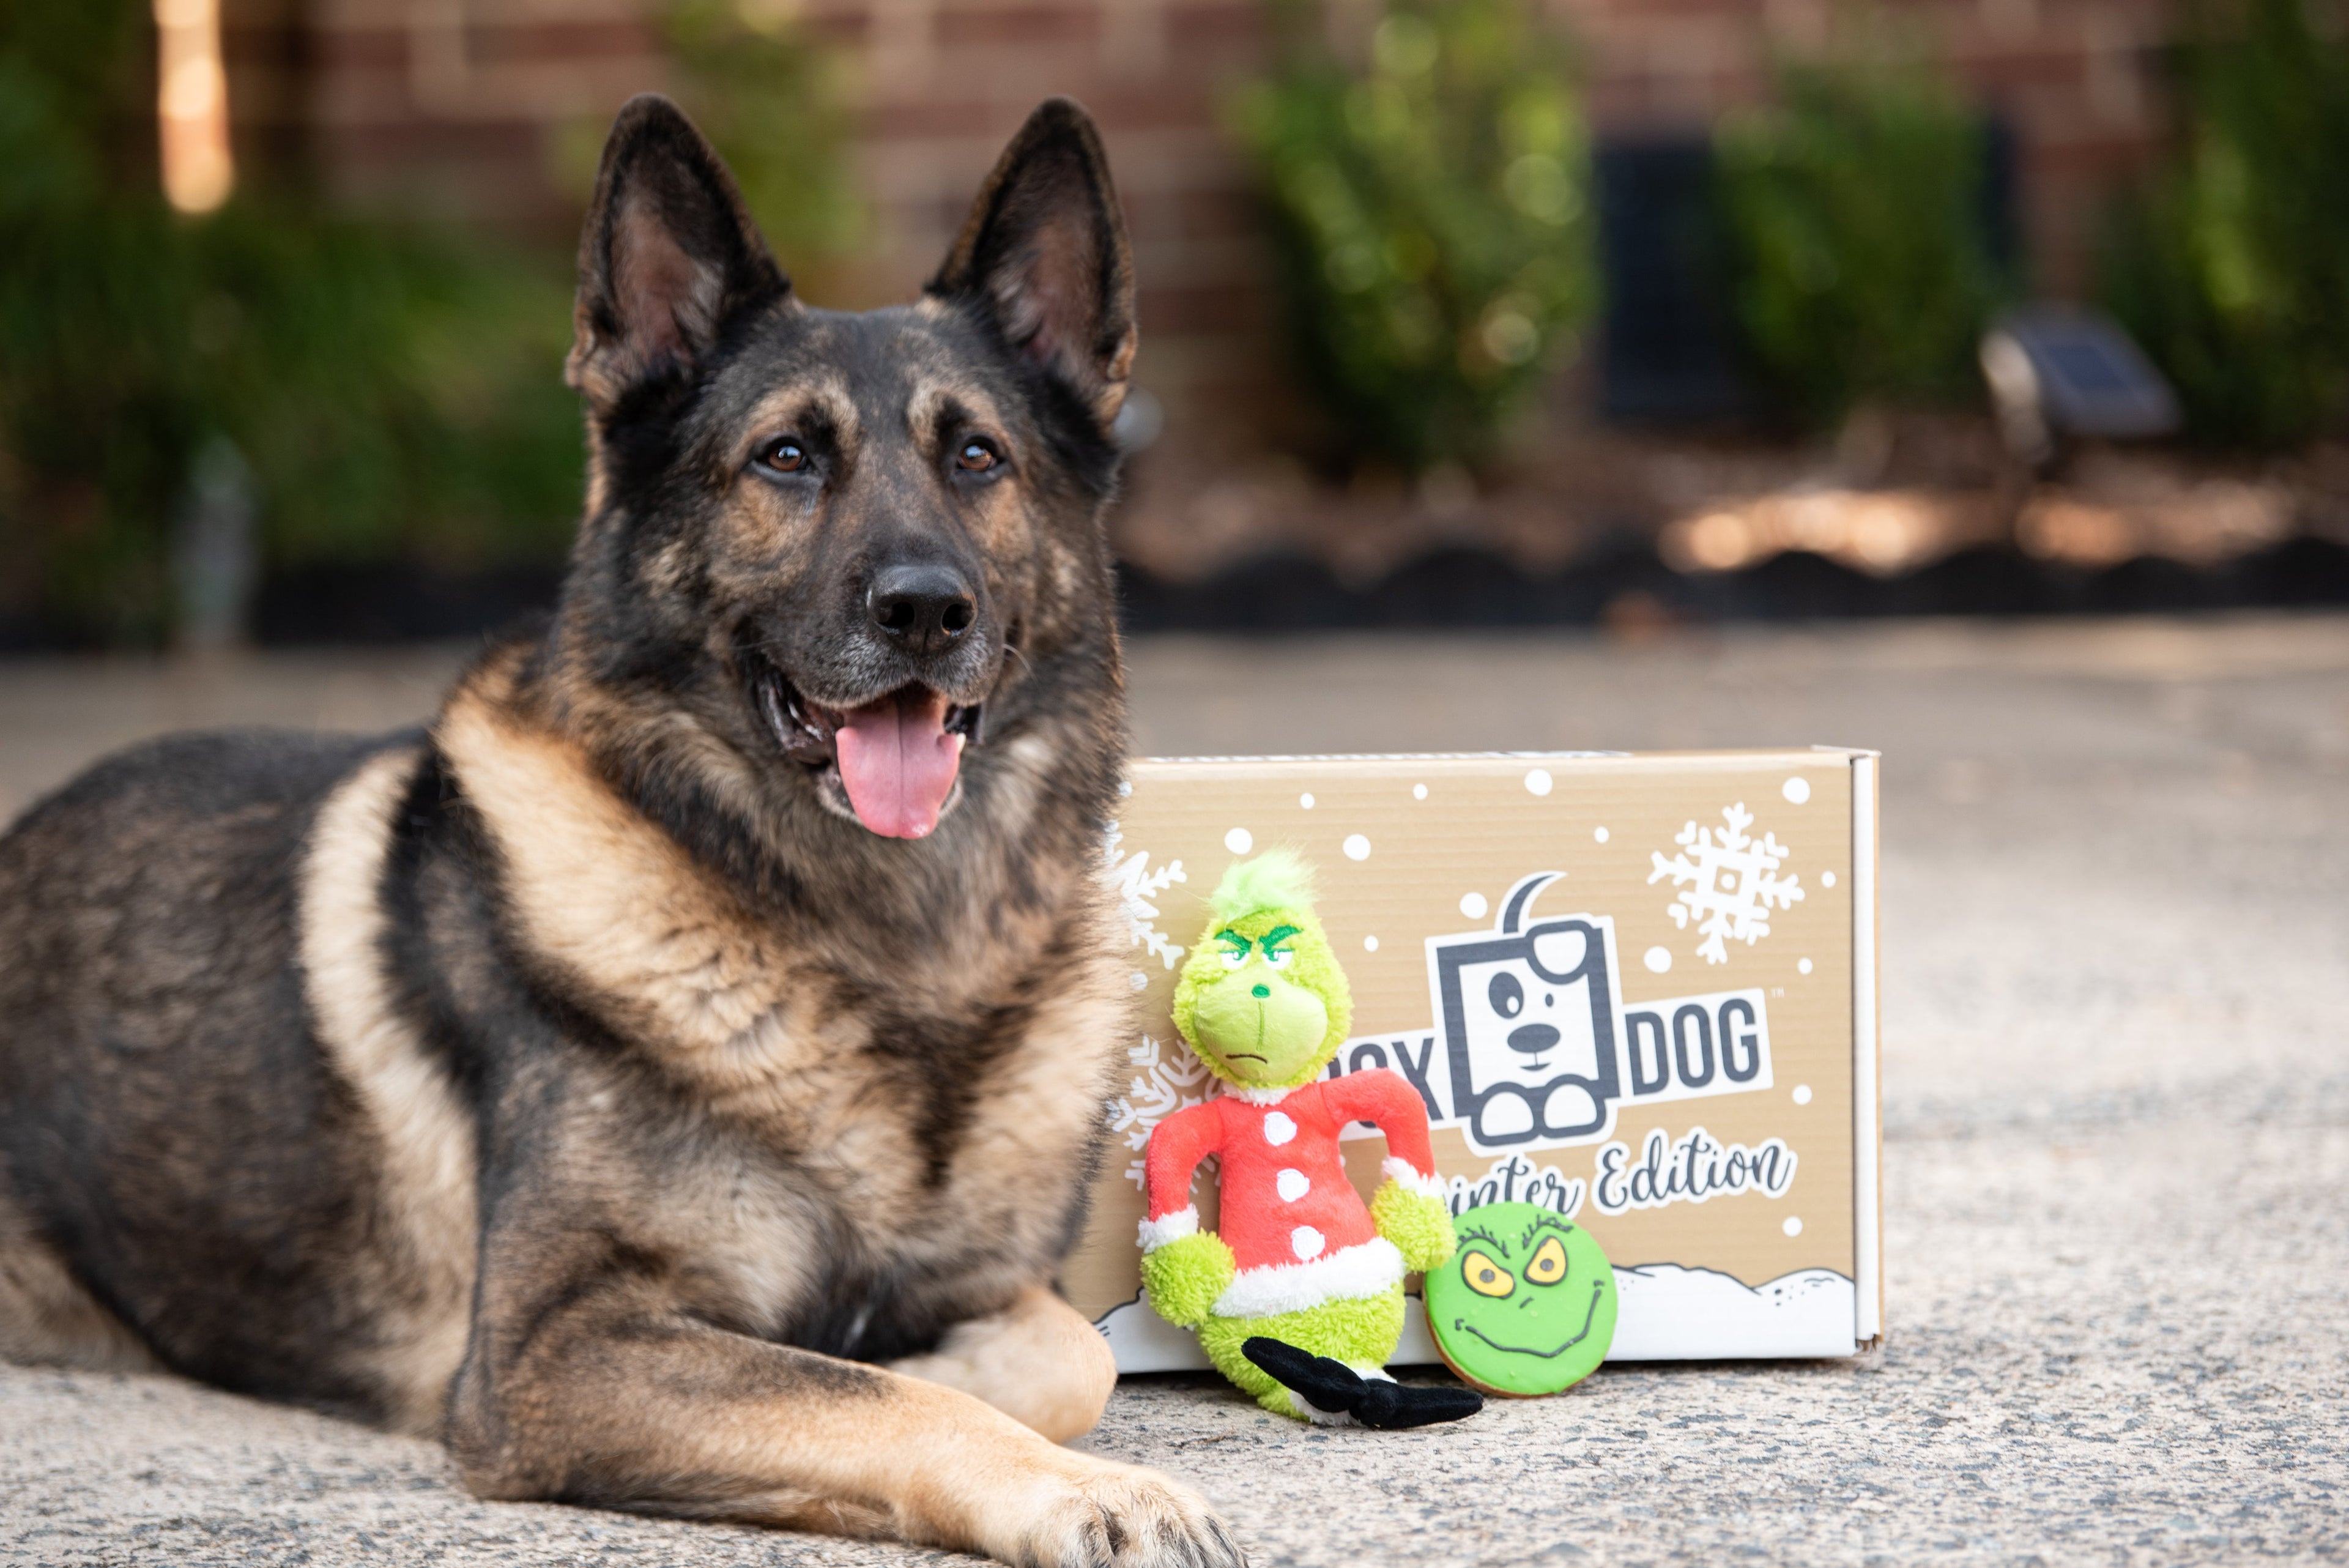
(925, 608)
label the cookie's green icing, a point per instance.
(1545, 1314)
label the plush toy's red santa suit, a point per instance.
(1300, 1234)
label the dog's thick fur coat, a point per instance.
(578, 1080)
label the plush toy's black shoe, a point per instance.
(1334, 1387)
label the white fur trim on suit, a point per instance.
(1257, 1097)
(1320, 1418)
(1157, 1234)
(1401, 1171)
(1315, 1413)
(1371, 1268)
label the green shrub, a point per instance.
(395, 394)
(2232, 266)
(1853, 209)
(771, 102)
(775, 103)
(1431, 221)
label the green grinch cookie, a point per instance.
(1526, 1305)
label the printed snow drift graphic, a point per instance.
(1663, 1313)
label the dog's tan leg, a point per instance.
(48, 1320)
(662, 1413)
(1038, 1361)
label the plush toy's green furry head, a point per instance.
(1261, 998)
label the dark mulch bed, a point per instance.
(1456, 589)
(1468, 588)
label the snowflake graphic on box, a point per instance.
(1170, 1081)
(1728, 882)
(1137, 886)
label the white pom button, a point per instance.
(1278, 1130)
(1292, 1184)
(1306, 1243)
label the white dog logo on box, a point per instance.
(1529, 1016)
(1534, 1047)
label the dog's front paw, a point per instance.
(1124, 1515)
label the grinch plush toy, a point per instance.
(1299, 1299)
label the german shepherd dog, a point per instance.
(672, 1078)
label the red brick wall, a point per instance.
(454, 106)
(945, 82)
(2078, 79)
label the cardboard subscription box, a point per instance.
(1698, 930)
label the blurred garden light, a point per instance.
(191, 105)
(1141, 421)
(2056, 372)
(216, 550)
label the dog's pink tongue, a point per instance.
(898, 762)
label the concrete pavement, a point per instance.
(2116, 1093)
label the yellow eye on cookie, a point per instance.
(1486, 1277)
(1549, 1265)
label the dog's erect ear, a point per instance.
(1044, 257)
(669, 256)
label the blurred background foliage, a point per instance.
(775, 105)
(2232, 266)
(1854, 208)
(1430, 216)
(394, 391)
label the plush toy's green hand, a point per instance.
(1185, 1277)
(1419, 1226)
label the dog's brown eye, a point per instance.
(976, 457)
(784, 456)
